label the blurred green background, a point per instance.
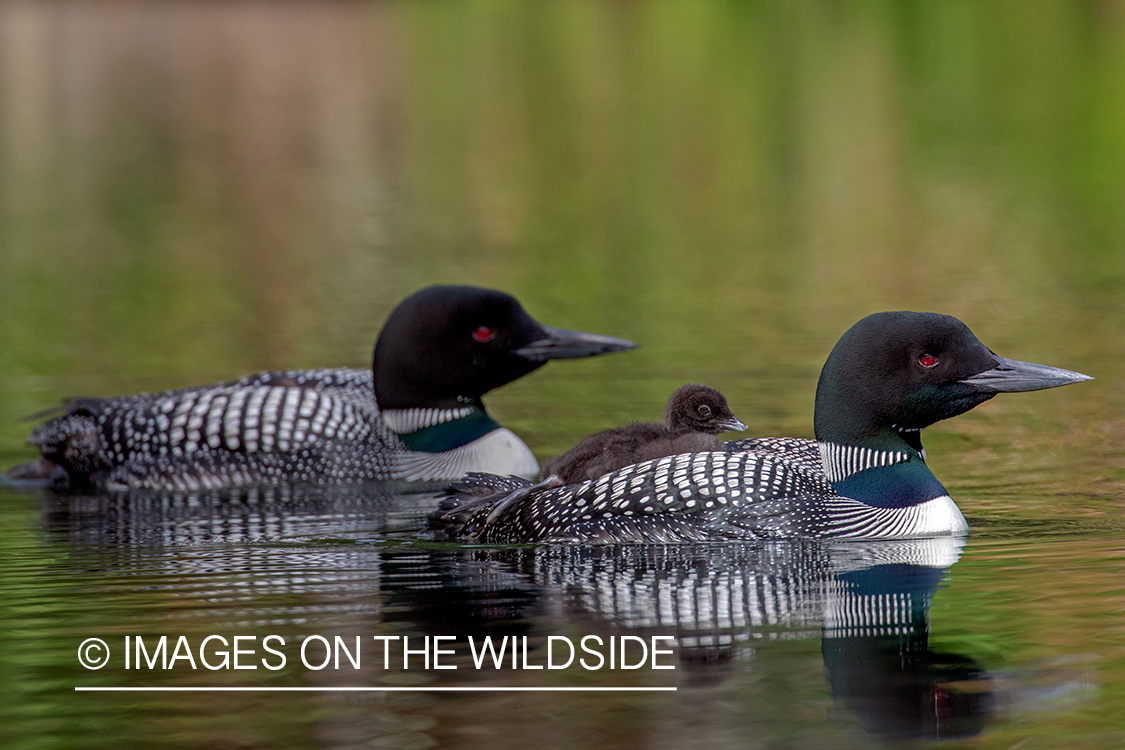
(191, 191)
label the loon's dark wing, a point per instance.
(478, 484)
(799, 451)
(344, 378)
(688, 497)
(263, 424)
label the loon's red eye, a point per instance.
(483, 334)
(927, 360)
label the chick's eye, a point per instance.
(704, 410)
(483, 334)
(927, 360)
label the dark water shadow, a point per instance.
(867, 603)
(147, 518)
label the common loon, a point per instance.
(695, 414)
(417, 415)
(891, 375)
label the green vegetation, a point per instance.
(193, 191)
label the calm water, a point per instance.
(192, 192)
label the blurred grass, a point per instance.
(193, 191)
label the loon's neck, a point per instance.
(438, 430)
(886, 471)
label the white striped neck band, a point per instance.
(841, 461)
(404, 421)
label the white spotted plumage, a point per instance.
(714, 496)
(298, 426)
(408, 420)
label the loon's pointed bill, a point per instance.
(734, 424)
(559, 343)
(1013, 376)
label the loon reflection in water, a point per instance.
(867, 602)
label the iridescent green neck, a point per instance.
(893, 477)
(445, 436)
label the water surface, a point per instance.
(191, 192)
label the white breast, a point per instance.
(499, 452)
(853, 519)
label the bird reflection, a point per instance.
(328, 550)
(151, 518)
(879, 663)
(867, 602)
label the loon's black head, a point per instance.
(700, 408)
(894, 373)
(446, 346)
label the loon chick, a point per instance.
(695, 414)
(891, 375)
(417, 415)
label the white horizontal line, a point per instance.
(494, 689)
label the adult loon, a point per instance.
(417, 415)
(891, 375)
(695, 414)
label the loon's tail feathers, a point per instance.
(68, 440)
(34, 473)
(472, 493)
(72, 440)
(479, 484)
(66, 408)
